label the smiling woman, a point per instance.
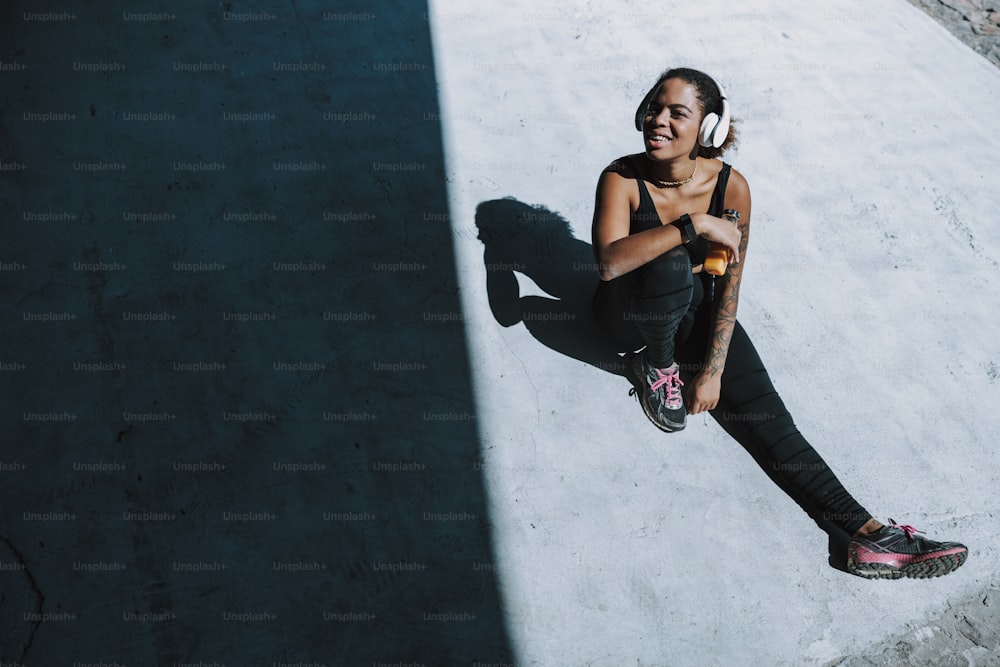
(655, 213)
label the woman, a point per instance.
(654, 217)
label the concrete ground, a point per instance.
(870, 291)
(298, 367)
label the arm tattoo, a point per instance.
(725, 310)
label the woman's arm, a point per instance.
(704, 395)
(617, 252)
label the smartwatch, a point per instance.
(686, 227)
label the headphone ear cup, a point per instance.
(708, 126)
(721, 130)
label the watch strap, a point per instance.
(686, 227)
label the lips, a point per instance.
(657, 140)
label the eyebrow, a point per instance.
(676, 105)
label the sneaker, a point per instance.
(896, 551)
(659, 392)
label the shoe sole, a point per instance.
(925, 569)
(640, 391)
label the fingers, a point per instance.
(730, 236)
(727, 236)
(697, 405)
(700, 401)
(700, 406)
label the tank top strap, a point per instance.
(718, 204)
(645, 216)
(645, 201)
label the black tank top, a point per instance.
(645, 217)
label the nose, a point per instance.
(656, 116)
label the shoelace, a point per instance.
(673, 380)
(909, 530)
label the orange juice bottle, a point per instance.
(718, 255)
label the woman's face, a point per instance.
(671, 125)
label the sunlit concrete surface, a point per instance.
(870, 290)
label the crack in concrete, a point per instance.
(305, 28)
(972, 634)
(527, 376)
(34, 587)
(386, 186)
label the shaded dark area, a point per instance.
(540, 244)
(239, 421)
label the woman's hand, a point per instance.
(703, 393)
(719, 231)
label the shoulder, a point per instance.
(616, 188)
(623, 166)
(737, 185)
(619, 176)
(738, 192)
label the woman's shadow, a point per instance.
(539, 244)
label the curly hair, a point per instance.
(707, 92)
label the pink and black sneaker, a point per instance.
(897, 551)
(659, 391)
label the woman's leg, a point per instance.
(610, 306)
(647, 307)
(660, 298)
(751, 410)
(644, 308)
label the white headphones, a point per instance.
(714, 128)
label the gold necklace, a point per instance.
(675, 184)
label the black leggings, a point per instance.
(666, 308)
